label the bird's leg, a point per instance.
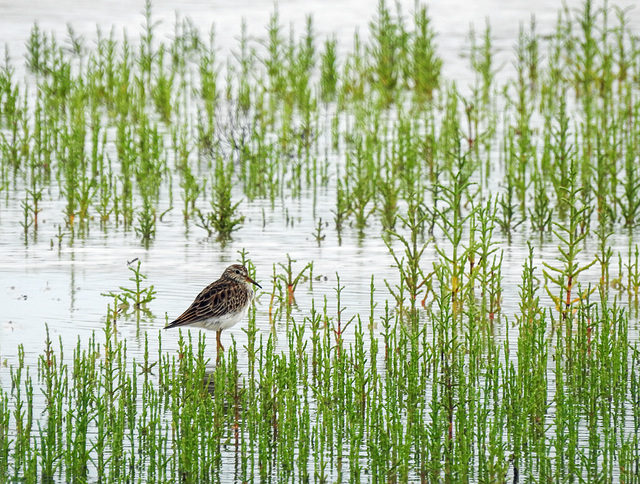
(220, 348)
(218, 334)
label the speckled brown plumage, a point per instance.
(221, 304)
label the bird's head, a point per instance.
(239, 273)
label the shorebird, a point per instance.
(221, 304)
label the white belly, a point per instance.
(225, 321)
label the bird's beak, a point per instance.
(253, 282)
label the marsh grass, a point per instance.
(437, 382)
(437, 397)
(138, 296)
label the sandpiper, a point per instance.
(221, 304)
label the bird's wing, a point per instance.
(213, 301)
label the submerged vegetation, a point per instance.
(438, 383)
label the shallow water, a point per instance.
(62, 288)
(42, 285)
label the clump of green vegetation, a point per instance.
(268, 129)
(223, 219)
(429, 397)
(135, 298)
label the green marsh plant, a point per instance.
(329, 71)
(482, 62)
(137, 297)
(387, 50)
(424, 64)
(412, 277)
(485, 265)
(291, 280)
(223, 219)
(452, 220)
(563, 276)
